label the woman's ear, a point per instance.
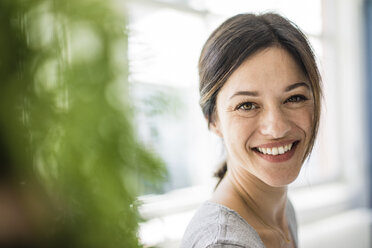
(215, 127)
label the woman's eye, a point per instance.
(247, 106)
(296, 98)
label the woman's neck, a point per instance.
(253, 199)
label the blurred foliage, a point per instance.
(163, 102)
(65, 122)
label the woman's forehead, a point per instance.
(272, 68)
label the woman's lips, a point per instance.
(273, 153)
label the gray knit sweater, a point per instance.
(216, 226)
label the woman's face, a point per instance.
(265, 115)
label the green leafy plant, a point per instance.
(66, 121)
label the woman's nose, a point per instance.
(274, 123)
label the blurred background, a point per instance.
(332, 194)
(71, 163)
(102, 140)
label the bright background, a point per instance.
(331, 193)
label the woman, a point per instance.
(260, 92)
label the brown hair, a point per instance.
(238, 38)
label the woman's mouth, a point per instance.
(278, 153)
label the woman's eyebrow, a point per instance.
(255, 93)
(245, 93)
(296, 85)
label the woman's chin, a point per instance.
(275, 181)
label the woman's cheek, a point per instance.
(303, 118)
(240, 129)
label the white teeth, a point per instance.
(286, 148)
(276, 150)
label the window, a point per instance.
(164, 45)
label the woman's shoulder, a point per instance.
(215, 225)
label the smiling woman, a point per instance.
(272, 113)
(260, 92)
